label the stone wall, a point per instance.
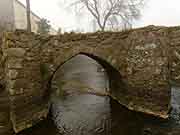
(174, 42)
(23, 80)
(5, 124)
(140, 64)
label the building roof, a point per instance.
(25, 8)
(31, 12)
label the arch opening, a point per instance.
(102, 79)
(115, 84)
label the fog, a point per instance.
(155, 12)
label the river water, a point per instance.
(74, 112)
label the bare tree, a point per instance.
(112, 12)
(28, 15)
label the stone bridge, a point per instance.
(140, 63)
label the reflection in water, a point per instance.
(78, 115)
(85, 114)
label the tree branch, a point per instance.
(127, 10)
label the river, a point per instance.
(74, 112)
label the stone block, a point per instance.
(15, 52)
(12, 74)
(14, 63)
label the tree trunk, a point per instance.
(28, 16)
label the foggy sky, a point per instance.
(156, 12)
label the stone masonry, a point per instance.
(140, 63)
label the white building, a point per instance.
(13, 16)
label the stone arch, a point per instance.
(140, 57)
(107, 58)
(109, 65)
(117, 84)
